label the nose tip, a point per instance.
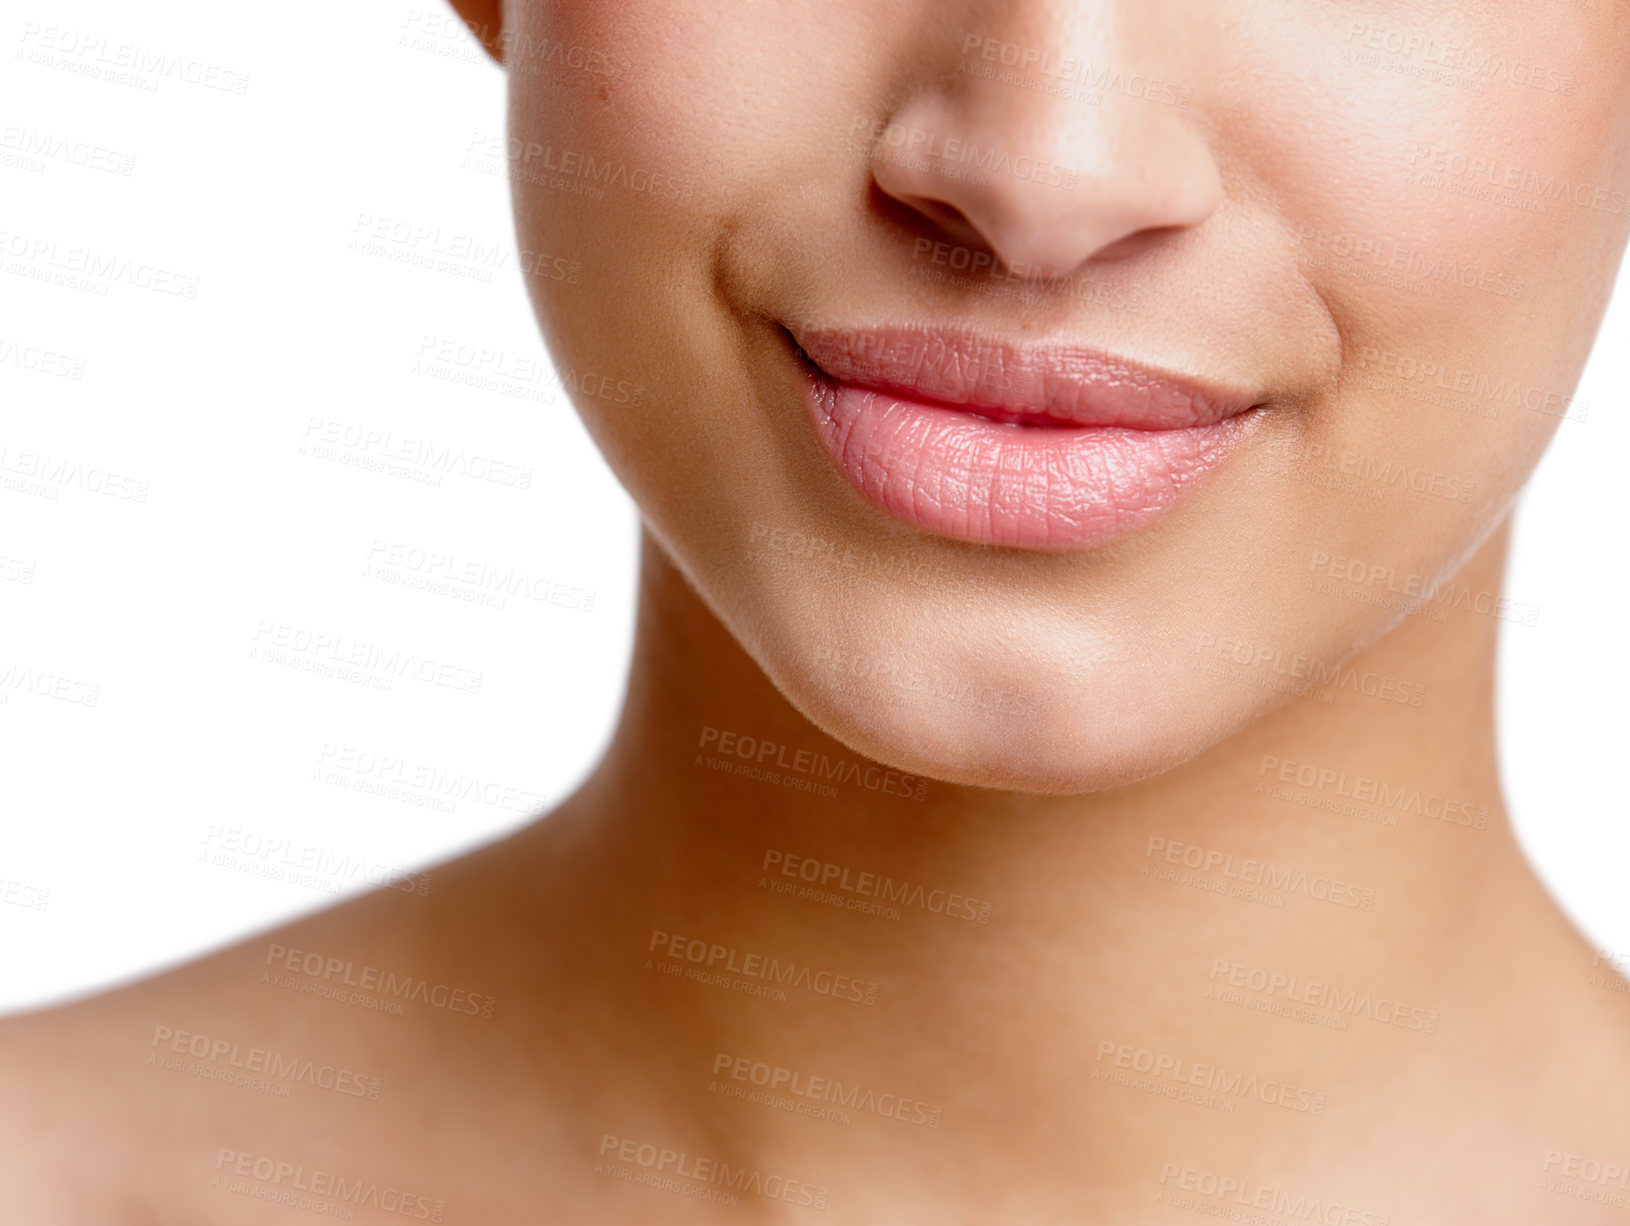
(1045, 184)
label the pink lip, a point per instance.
(1052, 447)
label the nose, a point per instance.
(1046, 173)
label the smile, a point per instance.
(1037, 447)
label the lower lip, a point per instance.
(1033, 487)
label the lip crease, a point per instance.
(1055, 385)
(1039, 446)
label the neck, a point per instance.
(1246, 930)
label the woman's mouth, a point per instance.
(1039, 447)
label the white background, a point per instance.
(355, 117)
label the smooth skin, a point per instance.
(1096, 764)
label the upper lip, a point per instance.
(1034, 384)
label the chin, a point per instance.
(1016, 720)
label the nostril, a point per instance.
(1036, 183)
(932, 218)
(950, 219)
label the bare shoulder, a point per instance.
(290, 1068)
(409, 1053)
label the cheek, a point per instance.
(684, 91)
(1452, 188)
(683, 123)
(633, 132)
(1447, 178)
